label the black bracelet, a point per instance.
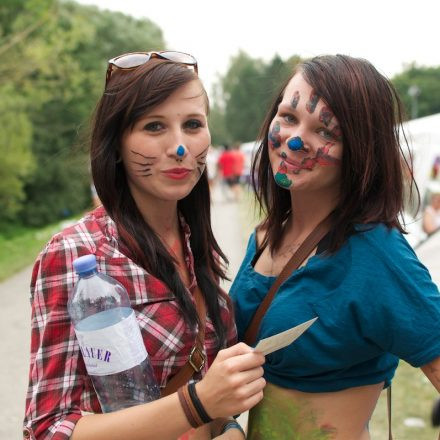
(197, 404)
(232, 425)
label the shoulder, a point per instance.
(379, 248)
(87, 232)
(379, 238)
(82, 237)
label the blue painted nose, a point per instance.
(180, 150)
(295, 143)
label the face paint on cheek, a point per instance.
(295, 99)
(143, 168)
(281, 177)
(313, 101)
(325, 116)
(323, 157)
(201, 160)
(337, 132)
(274, 138)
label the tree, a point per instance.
(15, 151)
(53, 58)
(247, 90)
(424, 84)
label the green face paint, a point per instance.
(282, 180)
(276, 417)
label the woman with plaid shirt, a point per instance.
(153, 234)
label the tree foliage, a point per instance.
(425, 82)
(53, 57)
(247, 89)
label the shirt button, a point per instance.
(26, 433)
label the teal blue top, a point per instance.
(375, 302)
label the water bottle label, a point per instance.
(112, 349)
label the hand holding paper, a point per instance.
(283, 339)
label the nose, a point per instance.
(295, 143)
(180, 152)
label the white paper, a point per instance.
(283, 339)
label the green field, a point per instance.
(20, 246)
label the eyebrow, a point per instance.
(191, 115)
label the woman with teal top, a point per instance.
(330, 148)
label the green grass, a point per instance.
(412, 396)
(19, 246)
(412, 393)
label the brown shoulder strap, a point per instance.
(297, 258)
(197, 358)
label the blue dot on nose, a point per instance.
(180, 150)
(295, 143)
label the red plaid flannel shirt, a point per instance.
(59, 388)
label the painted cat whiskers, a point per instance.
(201, 160)
(145, 167)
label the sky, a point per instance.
(389, 33)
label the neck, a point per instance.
(308, 211)
(163, 219)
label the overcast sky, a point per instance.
(389, 33)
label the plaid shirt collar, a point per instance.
(111, 234)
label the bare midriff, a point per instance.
(340, 415)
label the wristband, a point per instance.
(188, 408)
(232, 425)
(198, 404)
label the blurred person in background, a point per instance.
(328, 177)
(239, 162)
(431, 214)
(226, 167)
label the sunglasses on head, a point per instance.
(130, 61)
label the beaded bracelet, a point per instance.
(198, 404)
(232, 425)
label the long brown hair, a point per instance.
(129, 96)
(370, 115)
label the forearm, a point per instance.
(163, 418)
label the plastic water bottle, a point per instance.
(110, 339)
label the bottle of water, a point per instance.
(110, 339)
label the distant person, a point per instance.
(435, 171)
(330, 183)
(226, 167)
(431, 215)
(239, 163)
(152, 234)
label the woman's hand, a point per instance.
(233, 383)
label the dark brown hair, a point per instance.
(129, 96)
(369, 112)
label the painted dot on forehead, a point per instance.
(295, 99)
(295, 143)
